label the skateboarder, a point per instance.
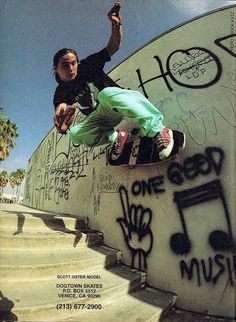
(77, 81)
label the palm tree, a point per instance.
(12, 181)
(3, 180)
(8, 132)
(19, 177)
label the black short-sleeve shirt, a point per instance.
(89, 81)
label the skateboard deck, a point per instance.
(143, 151)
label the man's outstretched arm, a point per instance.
(116, 32)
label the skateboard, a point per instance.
(143, 151)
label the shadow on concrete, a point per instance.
(20, 224)
(55, 223)
(6, 306)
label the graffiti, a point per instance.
(61, 167)
(101, 151)
(135, 225)
(106, 183)
(231, 47)
(199, 164)
(180, 113)
(149, 186)
(195, 67)
(219, 240)
(27, 190)
(210, 270)
(61, 189)
(94, 195)
(101, 183)
(72, 165)
(66, 167)
(230, 77)
(56, 168)
(38, 188)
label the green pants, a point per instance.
(115, 104)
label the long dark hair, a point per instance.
(58, 55)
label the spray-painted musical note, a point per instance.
(218, 239)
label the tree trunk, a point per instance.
(19, 193)
(16, 193)
(13, 193)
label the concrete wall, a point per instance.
(175, 220)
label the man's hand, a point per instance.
(64, 117)
(114, 15)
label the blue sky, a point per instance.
(31, 31)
